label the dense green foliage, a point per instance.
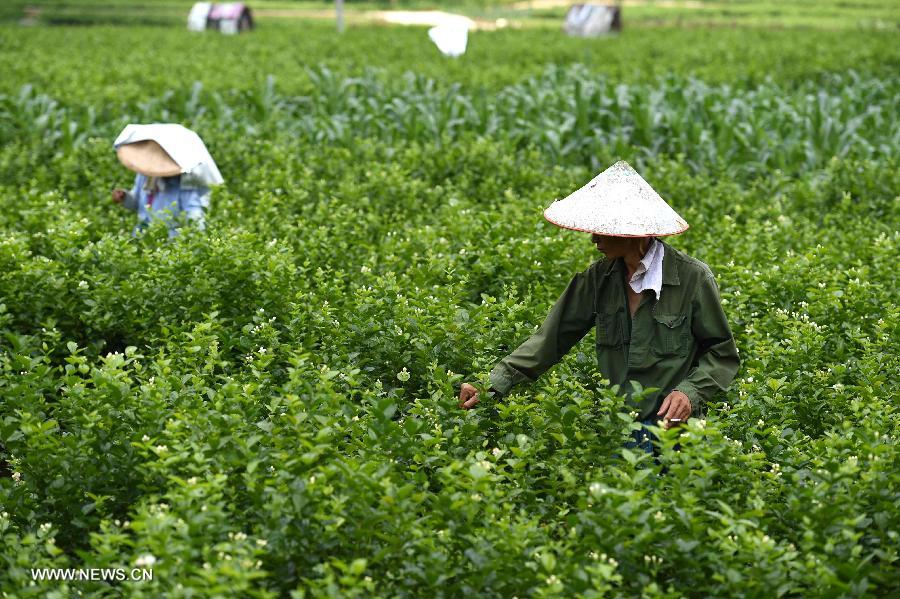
(494, 60)
(269, 408)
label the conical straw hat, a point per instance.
(179, 144)
(148, 158)
(617, 202)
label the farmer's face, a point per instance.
(614, 247)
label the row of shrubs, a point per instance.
(269, 408)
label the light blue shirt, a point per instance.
(167, 200)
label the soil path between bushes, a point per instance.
(540, 4)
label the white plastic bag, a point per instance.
(451, 38)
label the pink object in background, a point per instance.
(230, 10)
(228, 17)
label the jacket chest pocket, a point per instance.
(672, 334)
(610, 332)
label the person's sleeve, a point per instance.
(193, 203)
(718, 362)
(194, 192)
(571, 317)
(130, 202)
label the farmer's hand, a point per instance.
(676, 405)
(118, 195)
(468, 396)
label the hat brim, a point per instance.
(573, 228)
(147, 158)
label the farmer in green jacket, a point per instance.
(657, 312)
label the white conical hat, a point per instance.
(617, 202)
(182, 146)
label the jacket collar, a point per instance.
(670, 265)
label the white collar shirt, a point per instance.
(648, 274)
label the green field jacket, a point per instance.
(681, 341)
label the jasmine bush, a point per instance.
(268, 409)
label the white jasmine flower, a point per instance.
(146, 560)
(17, 476)
(403, 375)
